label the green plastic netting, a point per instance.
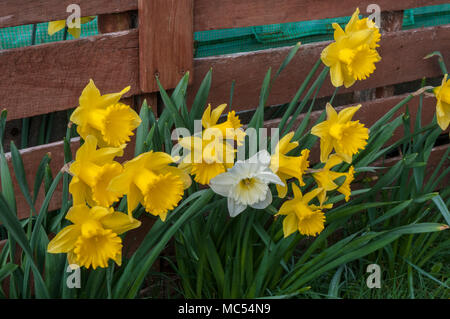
(225, 41)
(216, 42)
(22, 36)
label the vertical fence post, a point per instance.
(165, 42)
(390, 21)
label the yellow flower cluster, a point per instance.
(353, 55)
(154, 181)
(337, 132)
(99, 181)
(212, 153)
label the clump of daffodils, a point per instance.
(99, 182)
(157, 182)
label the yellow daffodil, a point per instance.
(356, 24)
(92, 240)
(148, 179)
(231, 129)
(288, 166)
(326, 178)
(212, 152)
(300, 215)
(92, 171)
(353, 55)
(338, 131)
(111, 122)
(442, 94)
(206, 159)
(56, 26)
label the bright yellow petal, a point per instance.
(326, 146)
(65, 240)
(100, 192)
(134, 197)
(210, 118)
(332, 161)
(89, 96)
(332, 115)
(347, 114)
(297, 191)
(81, 192)
(351, 25)
(337, 78)
(119, 222)
(282, 189)
(56, 26)
(285, 145)
(311, 195)
(78, 214)
(75, 32)
(443, 114)
(338, 32)
(289, 225)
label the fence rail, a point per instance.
(20, 12)
(209, 14)
(49, 77)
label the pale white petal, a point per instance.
(264, 203)
(269, 177)
(223, 183)
(234, 207)
(262, 159)
(240, 169)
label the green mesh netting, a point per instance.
(225, 41)
(216, 42)
(17, 37)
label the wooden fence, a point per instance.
(49, 77)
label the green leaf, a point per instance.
(201, 97)
(345, 211)
(440, 60)
(15, 230)
(423, 272)
(19, 172)
(40, 176)
(3, 116)
(298, 94)
(258, 117)
(437, 200)
(43, 211)
(333, 289)
(7, 270)
(143, 129)
(6, 182)
(172, 109)
(288, 59)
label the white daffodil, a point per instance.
(246, 183)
